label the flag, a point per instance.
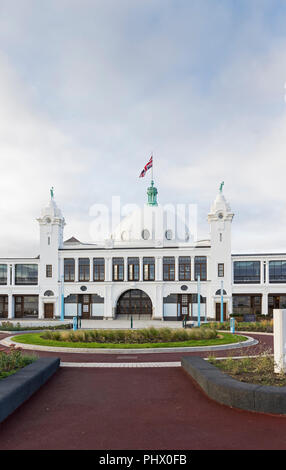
(146, 167)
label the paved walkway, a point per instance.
(134, 409)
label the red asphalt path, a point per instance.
(126, 409)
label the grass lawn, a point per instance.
(36, 339)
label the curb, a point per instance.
(245, 344)
(17, 388)
(228, 391)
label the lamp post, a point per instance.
(199, 300)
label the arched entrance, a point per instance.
(135, 303)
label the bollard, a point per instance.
(232, 325)
(131, 322)
(74, 323)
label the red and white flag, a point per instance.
(146, 167)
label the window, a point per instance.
(26, 274)
(133, 269)
(277, 271)
(246, 304)
(118, 269)
(169, 268)
(83, 269)
(184, 268)
(98, 269)
(201, 268)
(49, 270)
(149, 269)
(3, 274)
(247, 272)
(69, 269)
(220, 270)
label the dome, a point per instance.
(153, 224)
(51, 210)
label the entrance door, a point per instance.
(134, 303)
(184, 307)
(217, 313)
(85, 307)
(49, 310)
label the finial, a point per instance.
(221, 186)
(52, 191)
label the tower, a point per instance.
(220, 220)
(52, 225)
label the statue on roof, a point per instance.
(52, 191)
(221, 186)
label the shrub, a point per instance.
(146, 335)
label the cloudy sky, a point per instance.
(88, 88)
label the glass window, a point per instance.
(247, 272)
(3, 274)
(277, 271)
(118, 269)
(201, 268)
(49, 270)
(98, 269)
(83, 269)
(26, 274)
(169, 268)
(247, 304)
(133, 269)
(149, 269)
(220, 270)
(184, 268)
(69, 269)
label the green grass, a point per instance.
(36, 339)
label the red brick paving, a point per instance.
(134, 409)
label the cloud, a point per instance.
(88, 89)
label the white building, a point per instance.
(143, 270)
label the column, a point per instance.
(76, 270)
(109, 311)
(41, 309)
(264, 304)
(11, 309)
(91, 269)
(140, 269)
(193, 268)
(8, 275)
(159, 268)
(108, 262)
(176, 268)
(13, 274)
(125, 269)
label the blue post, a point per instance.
(74, 323)
(221, 304)
(232, 325)
(199, 300)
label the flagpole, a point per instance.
(152, 166)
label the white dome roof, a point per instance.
(51, 210)
(153, 224)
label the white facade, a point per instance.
(92, 278)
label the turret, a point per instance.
(52, 225)
(220, 220)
